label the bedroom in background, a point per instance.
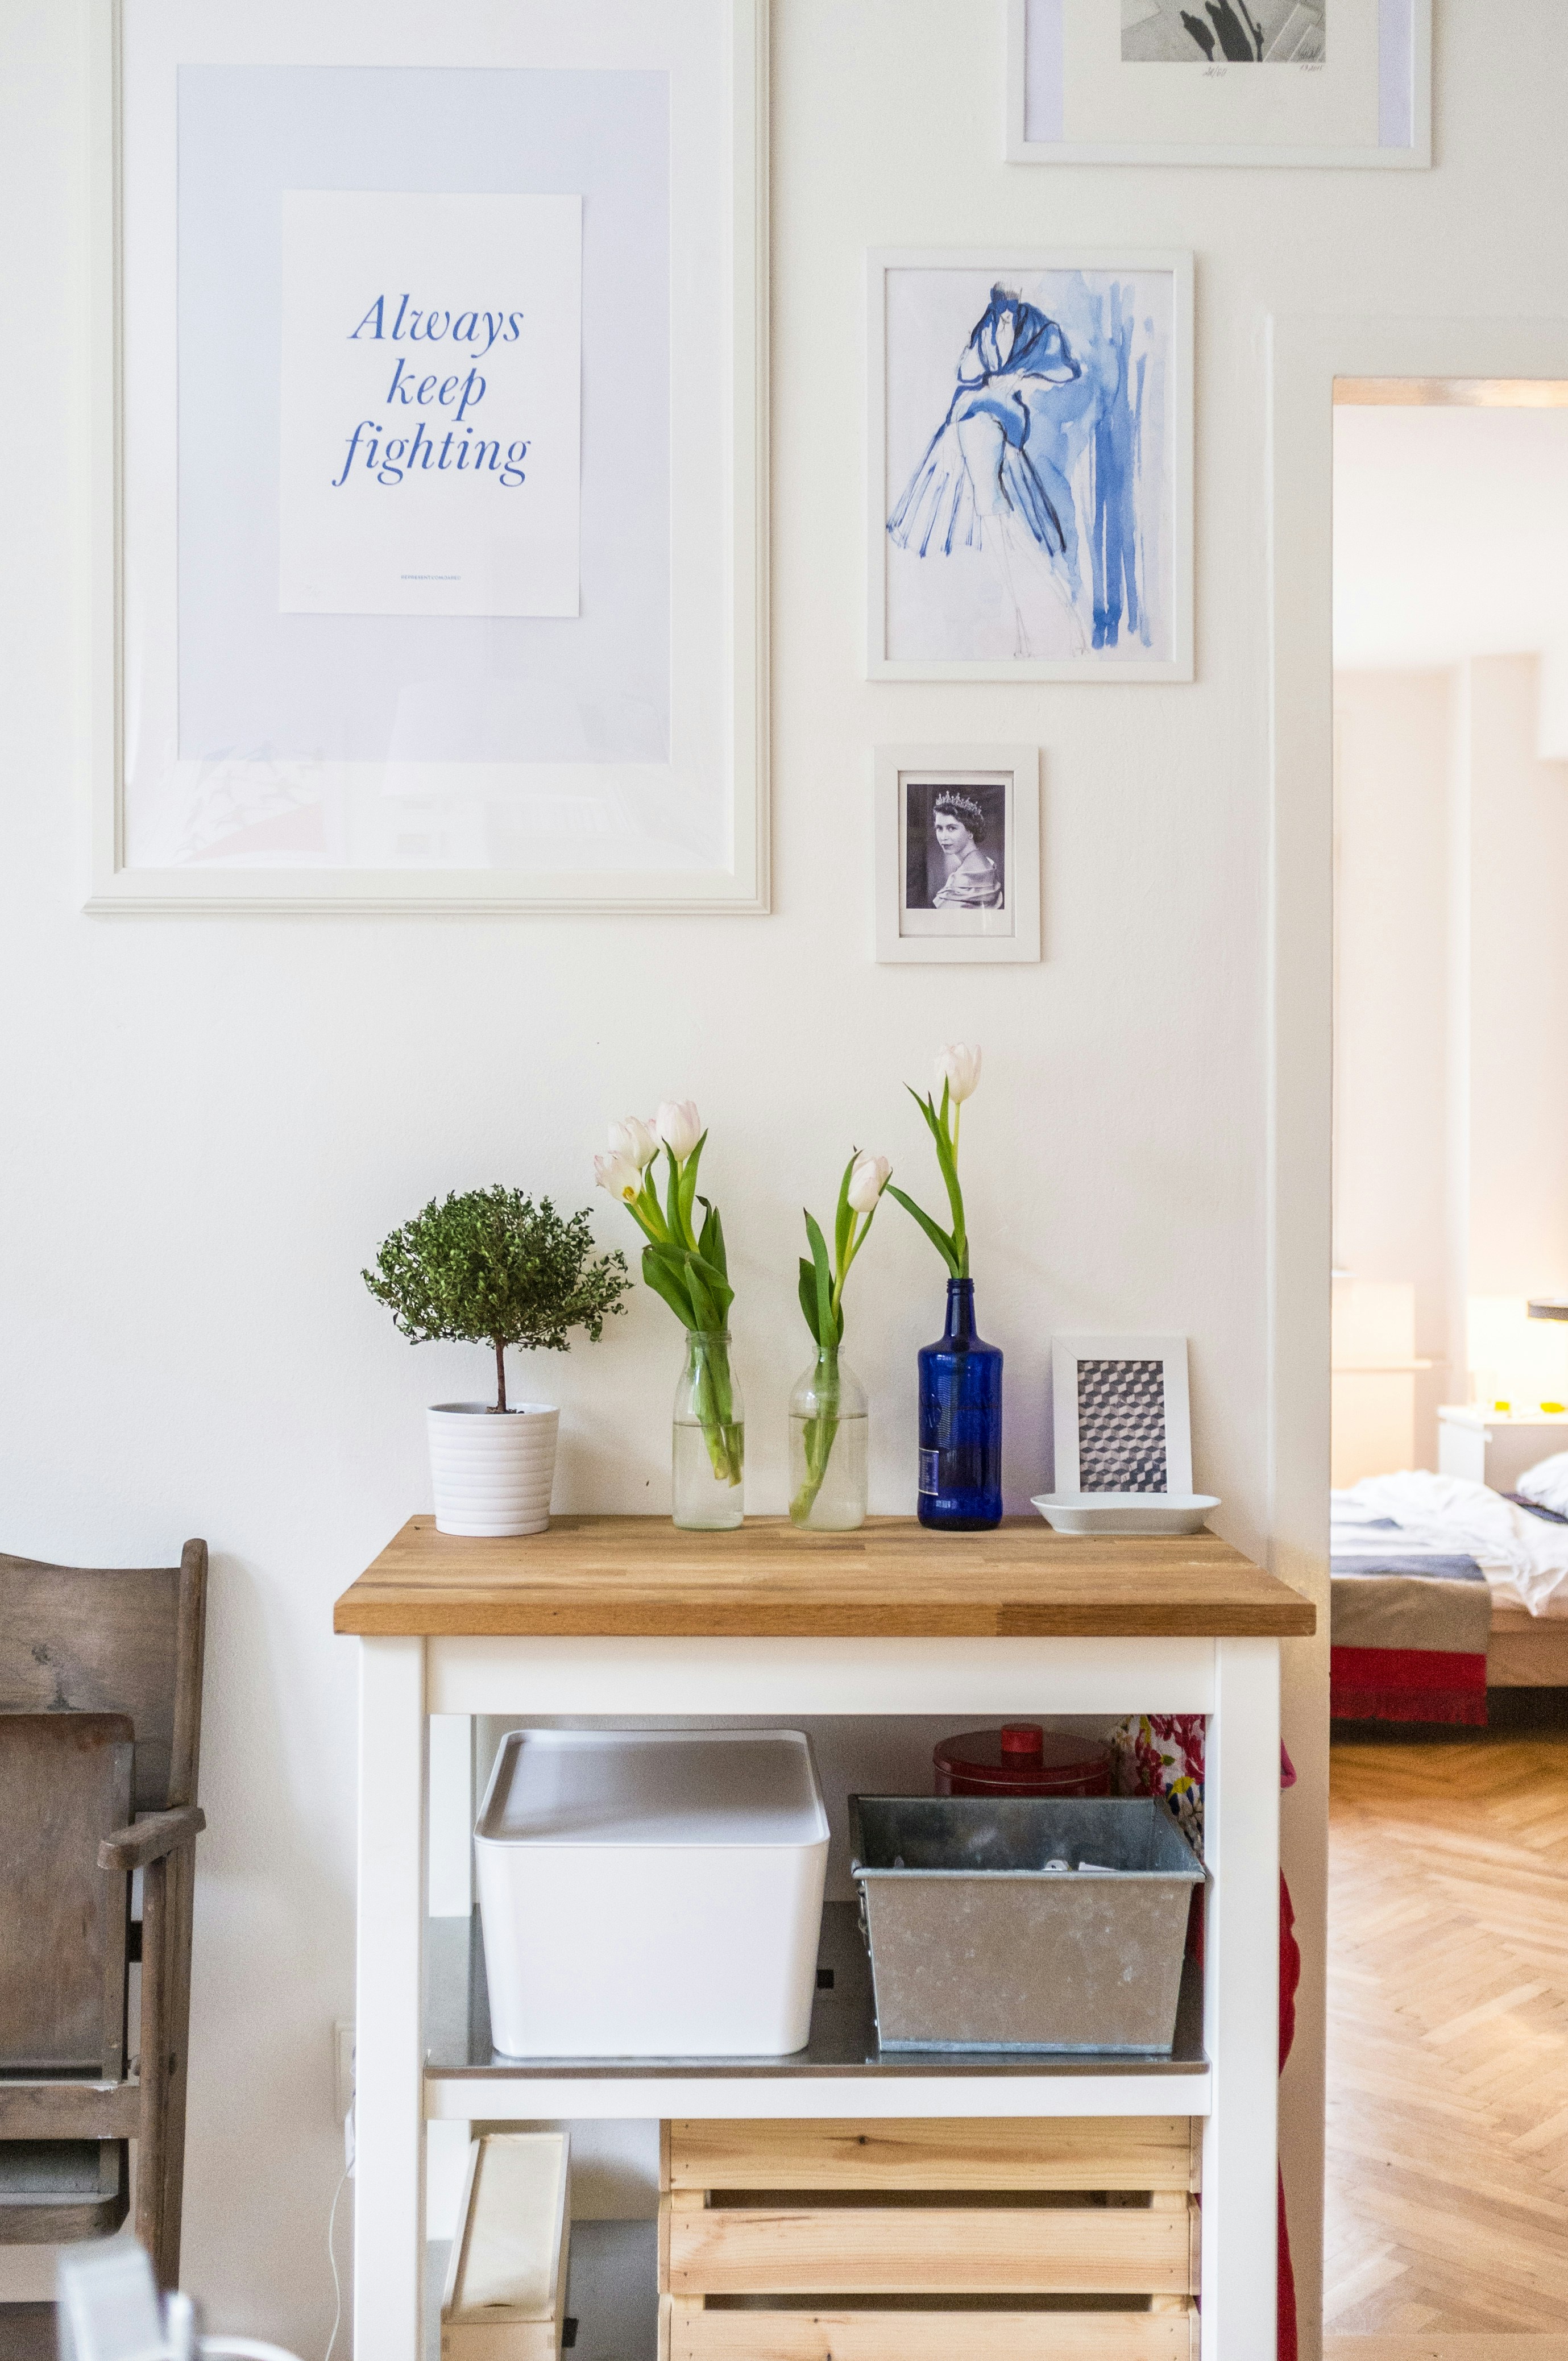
(1450, 1387)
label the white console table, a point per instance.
(627, 1615)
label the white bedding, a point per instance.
(1522, 1556)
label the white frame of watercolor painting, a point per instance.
(554, 793)
(1064, 93)
(959, 937)
(954, 625)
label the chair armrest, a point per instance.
(150, 1839)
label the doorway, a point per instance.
(1447, 2059)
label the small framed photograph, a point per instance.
(1162, 82)
(1119, 1415)
(957, 852)
(1030, 465)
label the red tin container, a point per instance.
(1022, 1759)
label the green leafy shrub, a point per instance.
(491, 1267)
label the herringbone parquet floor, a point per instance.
(1447, 2051)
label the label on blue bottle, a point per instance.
(930, 1479)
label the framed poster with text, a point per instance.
(431, 381)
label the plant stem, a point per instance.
(715, 1412)
(500, 1374)
(821, 1432)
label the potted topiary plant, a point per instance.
(493, 1268)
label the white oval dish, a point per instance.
(1126, 1512)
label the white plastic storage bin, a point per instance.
(651, 1894)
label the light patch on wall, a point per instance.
(1513, 1358)
(1450, 521)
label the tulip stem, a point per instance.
(714, 1404)
(821, 1432)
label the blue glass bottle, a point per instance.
(960, 1424)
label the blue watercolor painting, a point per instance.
(1030, 512)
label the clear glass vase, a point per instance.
(828, 1426)
(708, 1444)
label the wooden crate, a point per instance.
(979, 2216)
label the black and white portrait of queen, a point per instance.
(956, 849)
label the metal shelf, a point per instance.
(843, 2035)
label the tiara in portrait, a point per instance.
(954, 800)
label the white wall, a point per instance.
(1448, 523)
(212, 1123)
(1451, 1130)
(1517, 813)
(1393, 732)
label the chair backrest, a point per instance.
(116, 1640)
(65, 1782)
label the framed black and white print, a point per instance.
(1175, 82)
(431, 383)
(1119, 1415)
(958, 853)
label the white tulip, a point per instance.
(959, 1066)
(678, 1126)
(867, 1181)
(633, 1138)
(619, 1175)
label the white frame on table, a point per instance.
(742, 886)
(404, 1680)
(1066, 1352)
(1017, 767)
(1021, 150)
(1109, 670)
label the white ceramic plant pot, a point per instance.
(492, 1469)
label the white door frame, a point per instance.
(1306, 353)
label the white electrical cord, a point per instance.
(332, 2259)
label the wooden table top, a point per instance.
(640, 1578)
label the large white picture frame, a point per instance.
(985, 801)
(1347, 83)
(1029, 464)
(601, 751)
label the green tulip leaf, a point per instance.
(944, 1245)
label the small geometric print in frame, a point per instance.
(1121, 1415)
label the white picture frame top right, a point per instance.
(1141, 1427)
(1160, 81)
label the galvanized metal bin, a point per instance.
(976, 1944)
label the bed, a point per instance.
(1441, 1589)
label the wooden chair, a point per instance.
(100, 1737)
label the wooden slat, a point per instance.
(66, 1780)
(695, 2335)
(641, 1577)
(1070, 2152)
(50, 2223)
(918, 2250)
(99, 1641)
(30, 2111)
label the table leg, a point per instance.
(1241, 2004)
(389, 2209)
